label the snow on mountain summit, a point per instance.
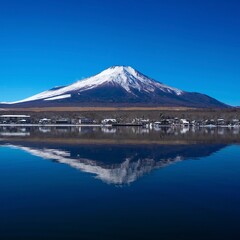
(125, 77)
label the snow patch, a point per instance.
(58, 97)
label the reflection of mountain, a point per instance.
(118, 164)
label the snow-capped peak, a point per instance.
(126, 77)
(122, 76)
(119, 70)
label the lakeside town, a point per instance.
(18, 119)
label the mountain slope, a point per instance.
(117, 86)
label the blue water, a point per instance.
(196, 196)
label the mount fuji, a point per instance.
(118, 86)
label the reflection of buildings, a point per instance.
(108, 130)
(14, 131)
(184, 130)
(236, 131)
(44, 129)
(117, 164)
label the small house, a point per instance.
(235, 122)
(63, 121)
(109, 121)
(84, 120)
(44, 121)
(221, 122)
(184, 122)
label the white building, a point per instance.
(109, 121)
(8, 119)
(184, 122)
(45, 121)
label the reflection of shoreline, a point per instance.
(119, 135)
(74, 141)
(116, 164)
(14, 134)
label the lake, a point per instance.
(119, 183)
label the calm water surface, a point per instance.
(124, 183)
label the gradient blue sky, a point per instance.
(191, 45)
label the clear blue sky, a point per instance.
(192, 45)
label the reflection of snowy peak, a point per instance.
(119, 85)
(132, 164)
(123, 173)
